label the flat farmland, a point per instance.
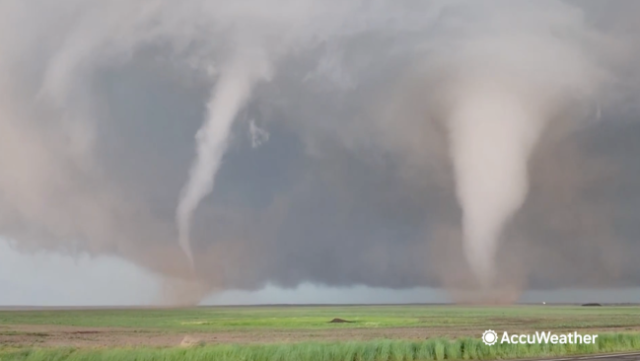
(308, 333)
(294, 324)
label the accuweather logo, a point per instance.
(490, 338)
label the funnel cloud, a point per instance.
(232, 91)
(492, 137)
(486, 148)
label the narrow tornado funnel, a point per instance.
(231, 93)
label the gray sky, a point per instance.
(56, 280)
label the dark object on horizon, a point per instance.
(591, 304)
(340, 320)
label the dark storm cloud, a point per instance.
(99, 105)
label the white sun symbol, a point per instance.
(489, 337)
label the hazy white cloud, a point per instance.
(258, 135)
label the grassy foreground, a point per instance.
(384, 350)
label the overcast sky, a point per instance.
(56, 280)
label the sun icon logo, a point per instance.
(489, 337)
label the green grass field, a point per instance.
(382, 350)
(249, 318)
(305, 333)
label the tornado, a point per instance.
(232, 91)
(493, 133)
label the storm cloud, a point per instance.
(352, 181)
